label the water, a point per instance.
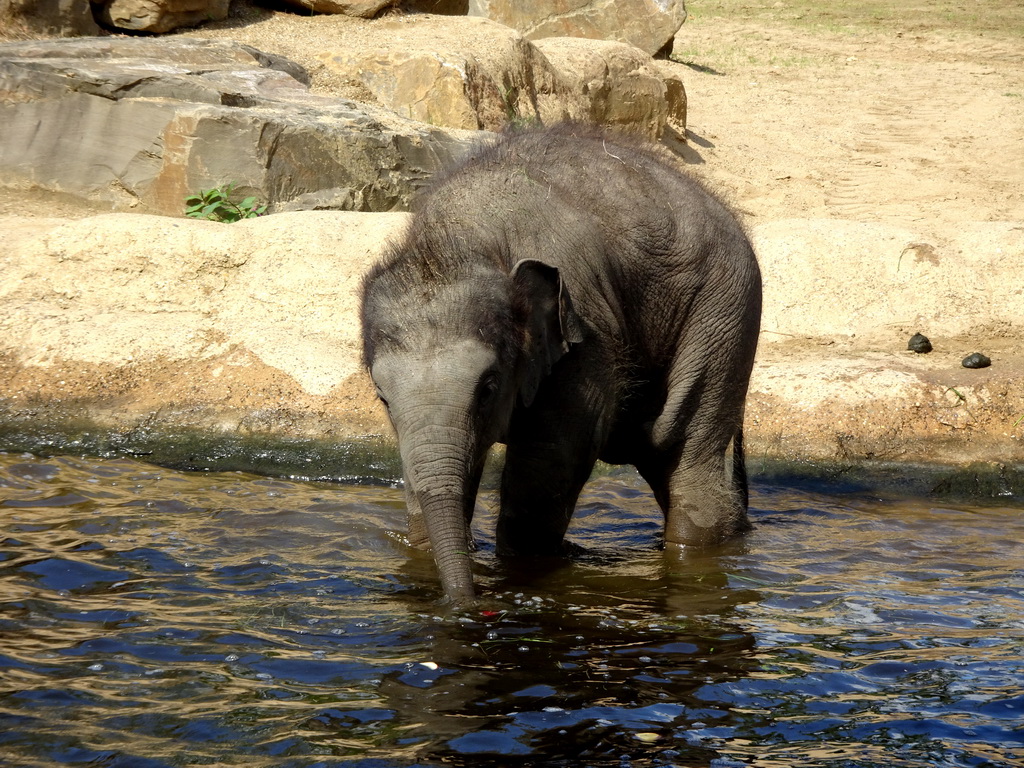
(150, 617)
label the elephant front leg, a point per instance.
(551, 450)
(538, 498)
(417, 535)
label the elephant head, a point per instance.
(454, 342)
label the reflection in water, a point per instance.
(156, 618)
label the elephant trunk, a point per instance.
(448, 530)
(440, 469)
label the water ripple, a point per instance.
(158, 618)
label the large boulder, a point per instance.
(458, 72)
(53, 17)
(143, 123)
(650, 25)
(617, 84)
(159, 16)
(675, 96)
(474, 73)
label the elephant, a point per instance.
(577, 296)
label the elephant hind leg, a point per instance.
(704, 502)
(738, 475)
(705, 507)
(701, 487)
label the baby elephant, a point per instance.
(577, 297)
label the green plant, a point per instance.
(216, 205)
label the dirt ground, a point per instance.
(909, 114)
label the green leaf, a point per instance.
(215, 205)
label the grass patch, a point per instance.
(1003, 18)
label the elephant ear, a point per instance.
(551, 322)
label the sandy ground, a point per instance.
(889, 125)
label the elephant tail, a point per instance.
(739, 468)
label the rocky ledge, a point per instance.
(207, 344)
(140, 124)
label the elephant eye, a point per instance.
(488, 387)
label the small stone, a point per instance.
(919, 343)
(646, 737)
(976, 360)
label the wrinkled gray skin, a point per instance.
(575, 297)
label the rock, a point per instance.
(919, 343)
(55, 17)
(120, 324)
(141, 122)
(647, 24)
(159, 16)
(976, 360)
(616, 83)
(675, 97)
(365, 9)
(474, 73)
(844, 407)
(464, 73)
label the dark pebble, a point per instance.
(977, 360)
(919, 343)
